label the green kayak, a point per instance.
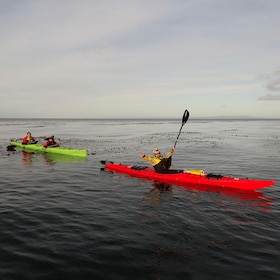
(53, 150)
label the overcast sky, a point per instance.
(139, 58)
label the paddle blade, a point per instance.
(11, 148)
(185, 116)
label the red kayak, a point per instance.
(192, 177)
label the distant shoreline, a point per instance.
(160, 119)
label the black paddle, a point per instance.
(184, 120)
(11, 148)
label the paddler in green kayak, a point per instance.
(50, 142)
(29, 139)
(161, 164)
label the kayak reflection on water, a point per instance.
(224, 197)
(153, 196)
(29, 158)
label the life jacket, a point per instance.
(163, 165)
(51, 142)
(28, 139)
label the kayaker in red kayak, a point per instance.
(161, 164)
(50, 142)
(29, 139)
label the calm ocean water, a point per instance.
(65, 218)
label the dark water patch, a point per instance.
(69, 220)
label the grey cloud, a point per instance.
(272, 85)
(273, 81)
(269, 96)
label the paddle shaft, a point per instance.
(178, 136)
